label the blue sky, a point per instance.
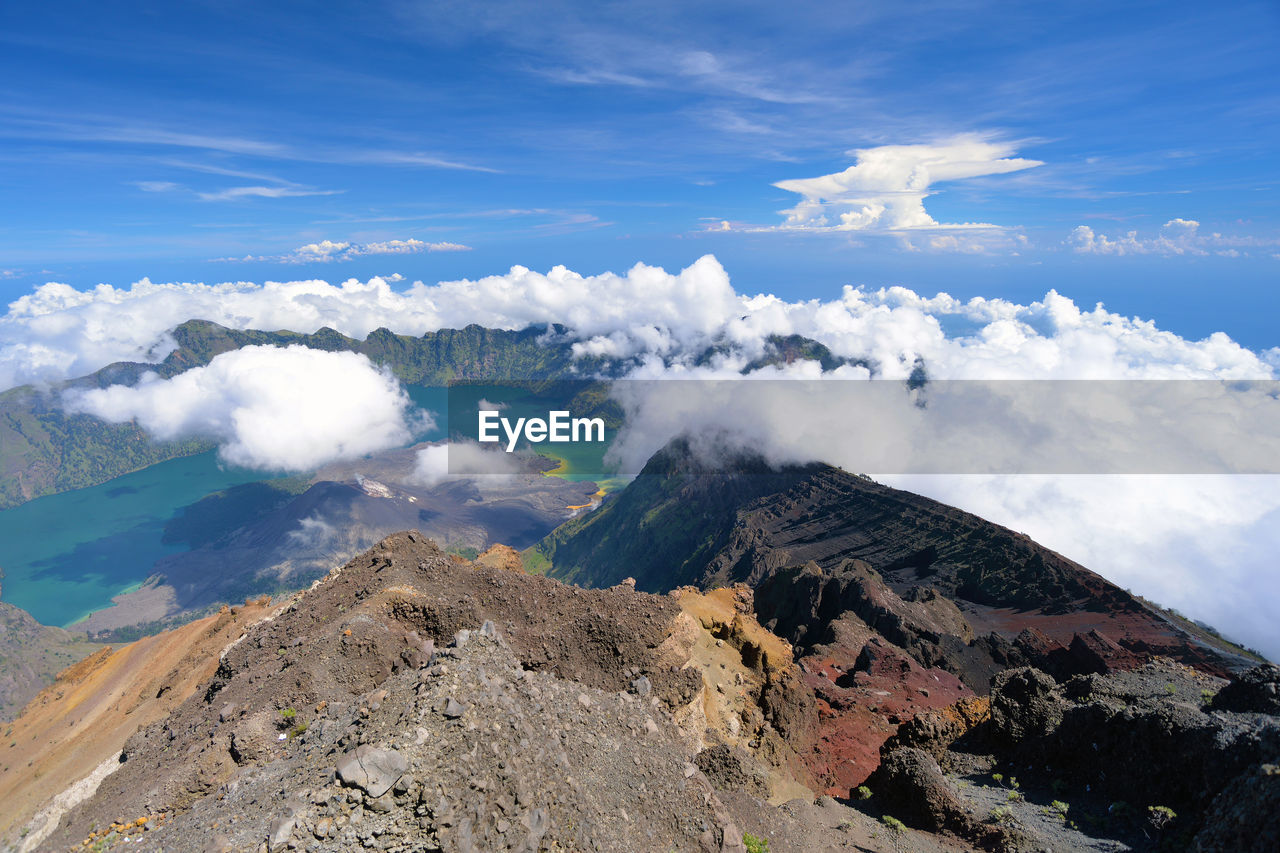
(139, 140)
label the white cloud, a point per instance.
(312, 532)
(665, 320)
(57, 331)
(234, 193)
(1203, 545)
(461, 459)
(886, 188)
(288, 408)
(965, 427)
(158, 186)
(325, 251)
(1176, 237)
(408, 247)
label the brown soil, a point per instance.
(31, 654)
(86, 715)
(699, 665)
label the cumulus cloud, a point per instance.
(886, 188)
(1218, 550)
(646, 313)
(1176, 237)
(325, 251)
(463, 459)
(1202, 544)
(289, 408)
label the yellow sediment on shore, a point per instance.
(562, 466)
(595, 499)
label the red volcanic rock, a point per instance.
(1094, 652)
(863, 697)
(1036, 644)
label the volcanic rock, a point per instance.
(371, 769)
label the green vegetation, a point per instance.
(45, 450)
(1060, 807)
(662, 529)
(1002, 814)
(755, 844)
(897, 831)
(1012, 784)
(288, 713)
(534, 562)
(1159, 816)
(864, 793)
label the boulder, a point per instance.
(371, 769)
(1257, 691)
(1025, 704)
(1245, 817)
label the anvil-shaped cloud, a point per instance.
(885, 190)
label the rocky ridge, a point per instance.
(373, 656)
(414, 700)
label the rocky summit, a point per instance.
(819, 663)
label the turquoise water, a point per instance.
(66, 555)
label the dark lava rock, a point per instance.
(1025, 703)
(911, 782)
(1095, 652)
(732, 769)
(1141, 736)
(1245, 817)
(914, 788)
(1257, 691)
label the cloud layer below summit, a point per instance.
(58, 332)
(1205, 545)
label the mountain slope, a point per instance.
(83, 719)
(45, 450)
(684, 522)
(30, 655)
(371, 707)
(412, 700)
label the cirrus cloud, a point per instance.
(325, 251)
